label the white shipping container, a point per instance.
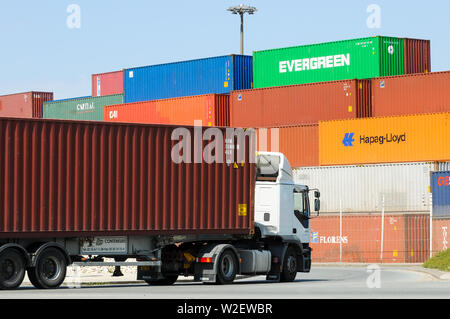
(405, 187)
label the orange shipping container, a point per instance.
(404, 238)
(411, 94)
(211, 109)
(300, 104)
(300, 144)
(413, 138)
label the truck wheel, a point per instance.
(226, 268)
(166, 281)
(289, 271)
(50, 269)
(12, 269)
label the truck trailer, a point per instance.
(180, 201)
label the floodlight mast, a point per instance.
(241, 10)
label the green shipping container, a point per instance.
(86, 108)
(343, 60)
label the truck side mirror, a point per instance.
(316, 194)
(317, 205)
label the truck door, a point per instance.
(301, 215)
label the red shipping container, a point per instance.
(300, 104)
(65, 178)
(417, 56)
(300, 144)
(441, 235)
(110, 83)
(411, 94)
(211, 109)
(24, 105)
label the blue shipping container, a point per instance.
(196, 77)
(440, 188)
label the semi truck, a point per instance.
(189, 201)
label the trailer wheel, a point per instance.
(166, 281)
(50, 269)
(12, 269)
(226, 268)
(289, 271)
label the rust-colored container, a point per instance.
(411, 94)
(64, 178)
(417, 56)
(409, 138)
(110, 83)
(24, 105)
(441, 235)
(300, 144)
(404, 238)
(300, 104)
(211, 109)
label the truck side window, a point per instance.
(299, 202)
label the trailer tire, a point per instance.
(50, 269)
(227, 267)
(12, 269)
(290, 263)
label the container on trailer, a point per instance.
(67, 178)
(417, 56)
(211, 109)
(397, 187)
(411, 94)
(300, 144)
(86, 108)
(362, 58)
(218, 75)
(300, 104)
(109, 83)
(408, 138)
(440, 188)
(24, 105)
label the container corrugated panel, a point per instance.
(298, 143)
(411, 94)
(65, 178)
(441, 235)
(443, 166)
(300, 104)
(109, 83)
(218, 75)
(360, 240)
(412, 138)
(86, 109)
(417, 56)
(212, 110)
(440, 188)
(362, 188)
(24, 105)
(342, 60)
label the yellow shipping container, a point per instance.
(412, 138)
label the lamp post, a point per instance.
(241, 10)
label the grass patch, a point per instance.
(441, 261)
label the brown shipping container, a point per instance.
(24, 105)
(300, 144)
(65, 178)
(411, 94)
(417, 56)
(300, 104)
(211, 109)
(405, 238)
(441, 235)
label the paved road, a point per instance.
(322, 282)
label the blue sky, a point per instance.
(40, 52)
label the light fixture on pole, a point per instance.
(241, 10)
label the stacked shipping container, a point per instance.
(109, 83)
(24, 105)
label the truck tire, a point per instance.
(226, 268)
(50, 269)
(166, 281)
(289, 271)
(12, 269)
